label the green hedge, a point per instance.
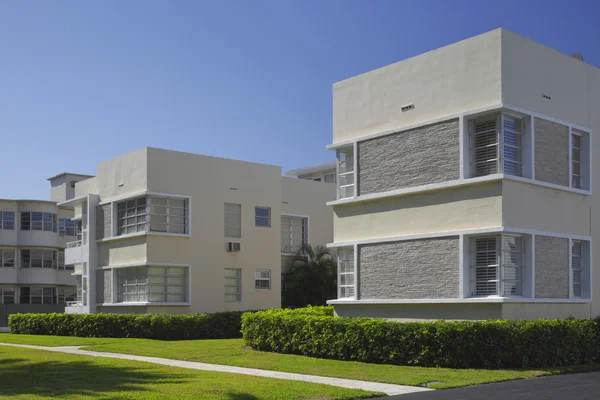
(490, 344)
(225, 325)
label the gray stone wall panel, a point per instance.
(429, 154)
(415, 269)
(551, 152)
(551, 267)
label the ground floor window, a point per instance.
(7, 295)
(262, 279)
(152, 284)
(346, 272)
(233, 284)
(37, 295)
(67, 294)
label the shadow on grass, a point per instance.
(241, 396)
(73, 378)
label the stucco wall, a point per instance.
(551, 152)
(123, 175)
(532, 311)
(551, 267)
(446, 81)
(122, 251)
(421, 312)
(104, 221)
(415, 269)
(429, 154)
(469, 207)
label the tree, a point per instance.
(311, 278)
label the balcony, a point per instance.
(76, 253)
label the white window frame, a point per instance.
(47, 223)
(63, 229)
(233, 281)
(290, 247)
(5, 222)
(233, 217)
(144, 214)
(3, 256)
(346, 173)
(262, 275)
(144, 275)
(347, 269)
(261, 217)
(576, 268)
(584, 162)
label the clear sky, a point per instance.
(85, 81)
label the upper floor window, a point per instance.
(293, 233)
(497, 266)
(233, 284)
(66, 227)
(345, 160)
(262, 216)
(38, 221)
(233, 220)
(580, 160)
(329, 178)
(7, 220)
(152, 213)
(497, 145)
(7, 258)
(38, 259)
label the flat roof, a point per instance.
(328, 166)
(37, 201)
(69, 173)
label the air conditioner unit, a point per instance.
(233, 246)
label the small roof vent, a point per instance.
(577, 56)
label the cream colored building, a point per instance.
(465, 181)
(166, 231)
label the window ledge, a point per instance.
(144, 303)
(453, 184)
(459, 301)
(132, 235)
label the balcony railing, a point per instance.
(74, 303)
(72, 245)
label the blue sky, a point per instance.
(85, 81)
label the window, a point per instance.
(61, 259)
(262, 279)
(38, 259)
(7, 258)
(66, 227)
(37, 295)
(580, 160)
(154, 213)
(38, 221)
(7, 295)
(293, 233)
(577, 267)
(233, 284)
(131, 216)
(78, 230)
(7, 220)
(346, 272)
(66, 294)
(329, 178)
(233, 220)
(317, 179)
(262, 216)
(151, 284)
(497, 266)
(497, 145)
(345, 160)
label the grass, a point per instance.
(34, 374)
(233, 352)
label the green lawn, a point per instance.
(34, 374)
(233, 352)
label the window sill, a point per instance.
(459, 301)
(453, 184)
(144, 303)
(137, 234)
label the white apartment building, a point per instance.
(465, 184)
(33, 233)
(166, 231)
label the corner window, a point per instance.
(131, 216)
(66, 227)
(7, 220)
(38, 221)
(233, 220)
(233, 284)
(580, 160)
(580, 269)
(152, 213)
(151, 284)
(294, 231)
(346, 273)
(7, 258)
(7, 295)
(497, 145)
(345, 160)
(262, 216)
(497, 266)
(38, 259)
(262, 279)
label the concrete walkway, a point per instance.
(346, 383)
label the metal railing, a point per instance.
(74, 244)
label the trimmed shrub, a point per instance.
(492, 344)
(224, 325)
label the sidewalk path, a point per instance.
(346, 383)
